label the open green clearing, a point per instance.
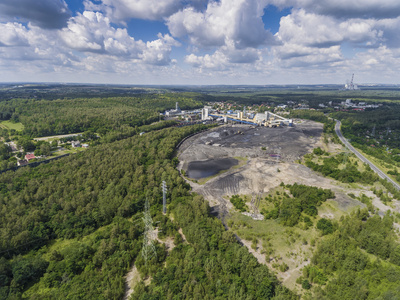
(283, 247)
(12, 125)
(68, 151)
(299, 254)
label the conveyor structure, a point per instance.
(268, 118)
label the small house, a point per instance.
(29, 156)
(22, 162)
(76, 144)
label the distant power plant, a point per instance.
(350, 85)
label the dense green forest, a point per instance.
(108, 118)
(66, 230)
(100, 115)
(376, 132)
(361, 257)
(292, 96)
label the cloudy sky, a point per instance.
(200, 41)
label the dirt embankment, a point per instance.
(271, 155)
(270, 152)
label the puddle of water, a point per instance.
(207, 168)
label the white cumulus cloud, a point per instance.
(122, 10)
(225, 57)
(92, 32)
(13, 34)
(142, 9)
(225, 40)
(308, 57)
(389, 29)
(224, 21)
(316, 30)
(346, 9)
(216, 61)
(157, 52)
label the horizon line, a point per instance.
(199, 85)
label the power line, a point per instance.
(164, 189)
(148, 248)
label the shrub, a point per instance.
(283, 267)
(306, 284)
(318, 151)
(238, 203)
(325, 226)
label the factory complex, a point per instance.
(266, 118)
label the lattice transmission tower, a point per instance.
(164, 189)
(346, 154)
(255, 203)
(148, 249)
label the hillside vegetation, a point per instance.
(100, 115)
(72, 229)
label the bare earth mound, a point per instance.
(271, 154)
(270, 158)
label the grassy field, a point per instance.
(379, 164)
(70, 151)
(10, 125)
(280, 244)
(283, 245)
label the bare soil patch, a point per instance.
(271, 159)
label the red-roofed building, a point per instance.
(30, 156)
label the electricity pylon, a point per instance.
(148, 249)
(164, 189)
(255, 203)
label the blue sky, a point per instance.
(200, 41)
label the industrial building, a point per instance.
(267, 118)
(174, 112)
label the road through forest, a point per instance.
(362, 157)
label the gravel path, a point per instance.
(45, 138)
